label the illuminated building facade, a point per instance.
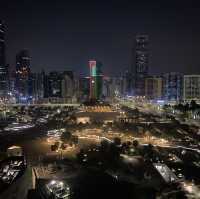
(3, 67)
(111, 88)
(191, 88)
(55, 84)
(96, 80)
(23, 77)
(141, 63)
(37, 86)
(172, 86)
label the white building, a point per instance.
(191, 88)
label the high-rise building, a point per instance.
(111, 88)
(37, 86)
(84, 89)
(45, 78)
(96, 79)
(68, 86)
(23, 76)
(58, 87)
(55, 84)
(108, 87)
(172, 86)
(128, 83)
(191, 88)
(141, 63)
(153, 88)
(4, 83)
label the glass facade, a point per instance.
(141, 64)
(3, 67)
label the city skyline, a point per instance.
(99, 99)
(67, 35)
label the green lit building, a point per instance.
(96, 79)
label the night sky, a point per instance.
(63, 34)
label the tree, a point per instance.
(80, 155)
(65, 137)
(74, 139)
(117, 141)
(179, 107)
(166, 107)
(54, 147)
(135, 143)
(193, 105)
(104, 145)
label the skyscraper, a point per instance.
(141, 63)
(84, 89)
(68, 86)
(96, 78)
(55, 84)
(37, 86)
(3, 67)
(23, 77)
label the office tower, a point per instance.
(45, 78)
(96, 80)
(191, 88)
(108, 88)
(84, 89)
(55, 84)
(153, 88)
(111, 88)
(141, 63)
(23, 77)
(37, 86)
(4, 80)
(172, 86)
(128, 83)
(68, 86)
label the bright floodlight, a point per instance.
(53, 182)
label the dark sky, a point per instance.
(64, 34)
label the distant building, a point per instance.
(59, 87)
(84, 89)
(111, 87)
(23, 77)
(108, 87)
(37, 86)
(153, 88)
(191, 88)
(127, 83)
(68, 86)
(55, 84)
(172, 86)
(96, 79)
(45, 84)
(141, 63)
(4, 77)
